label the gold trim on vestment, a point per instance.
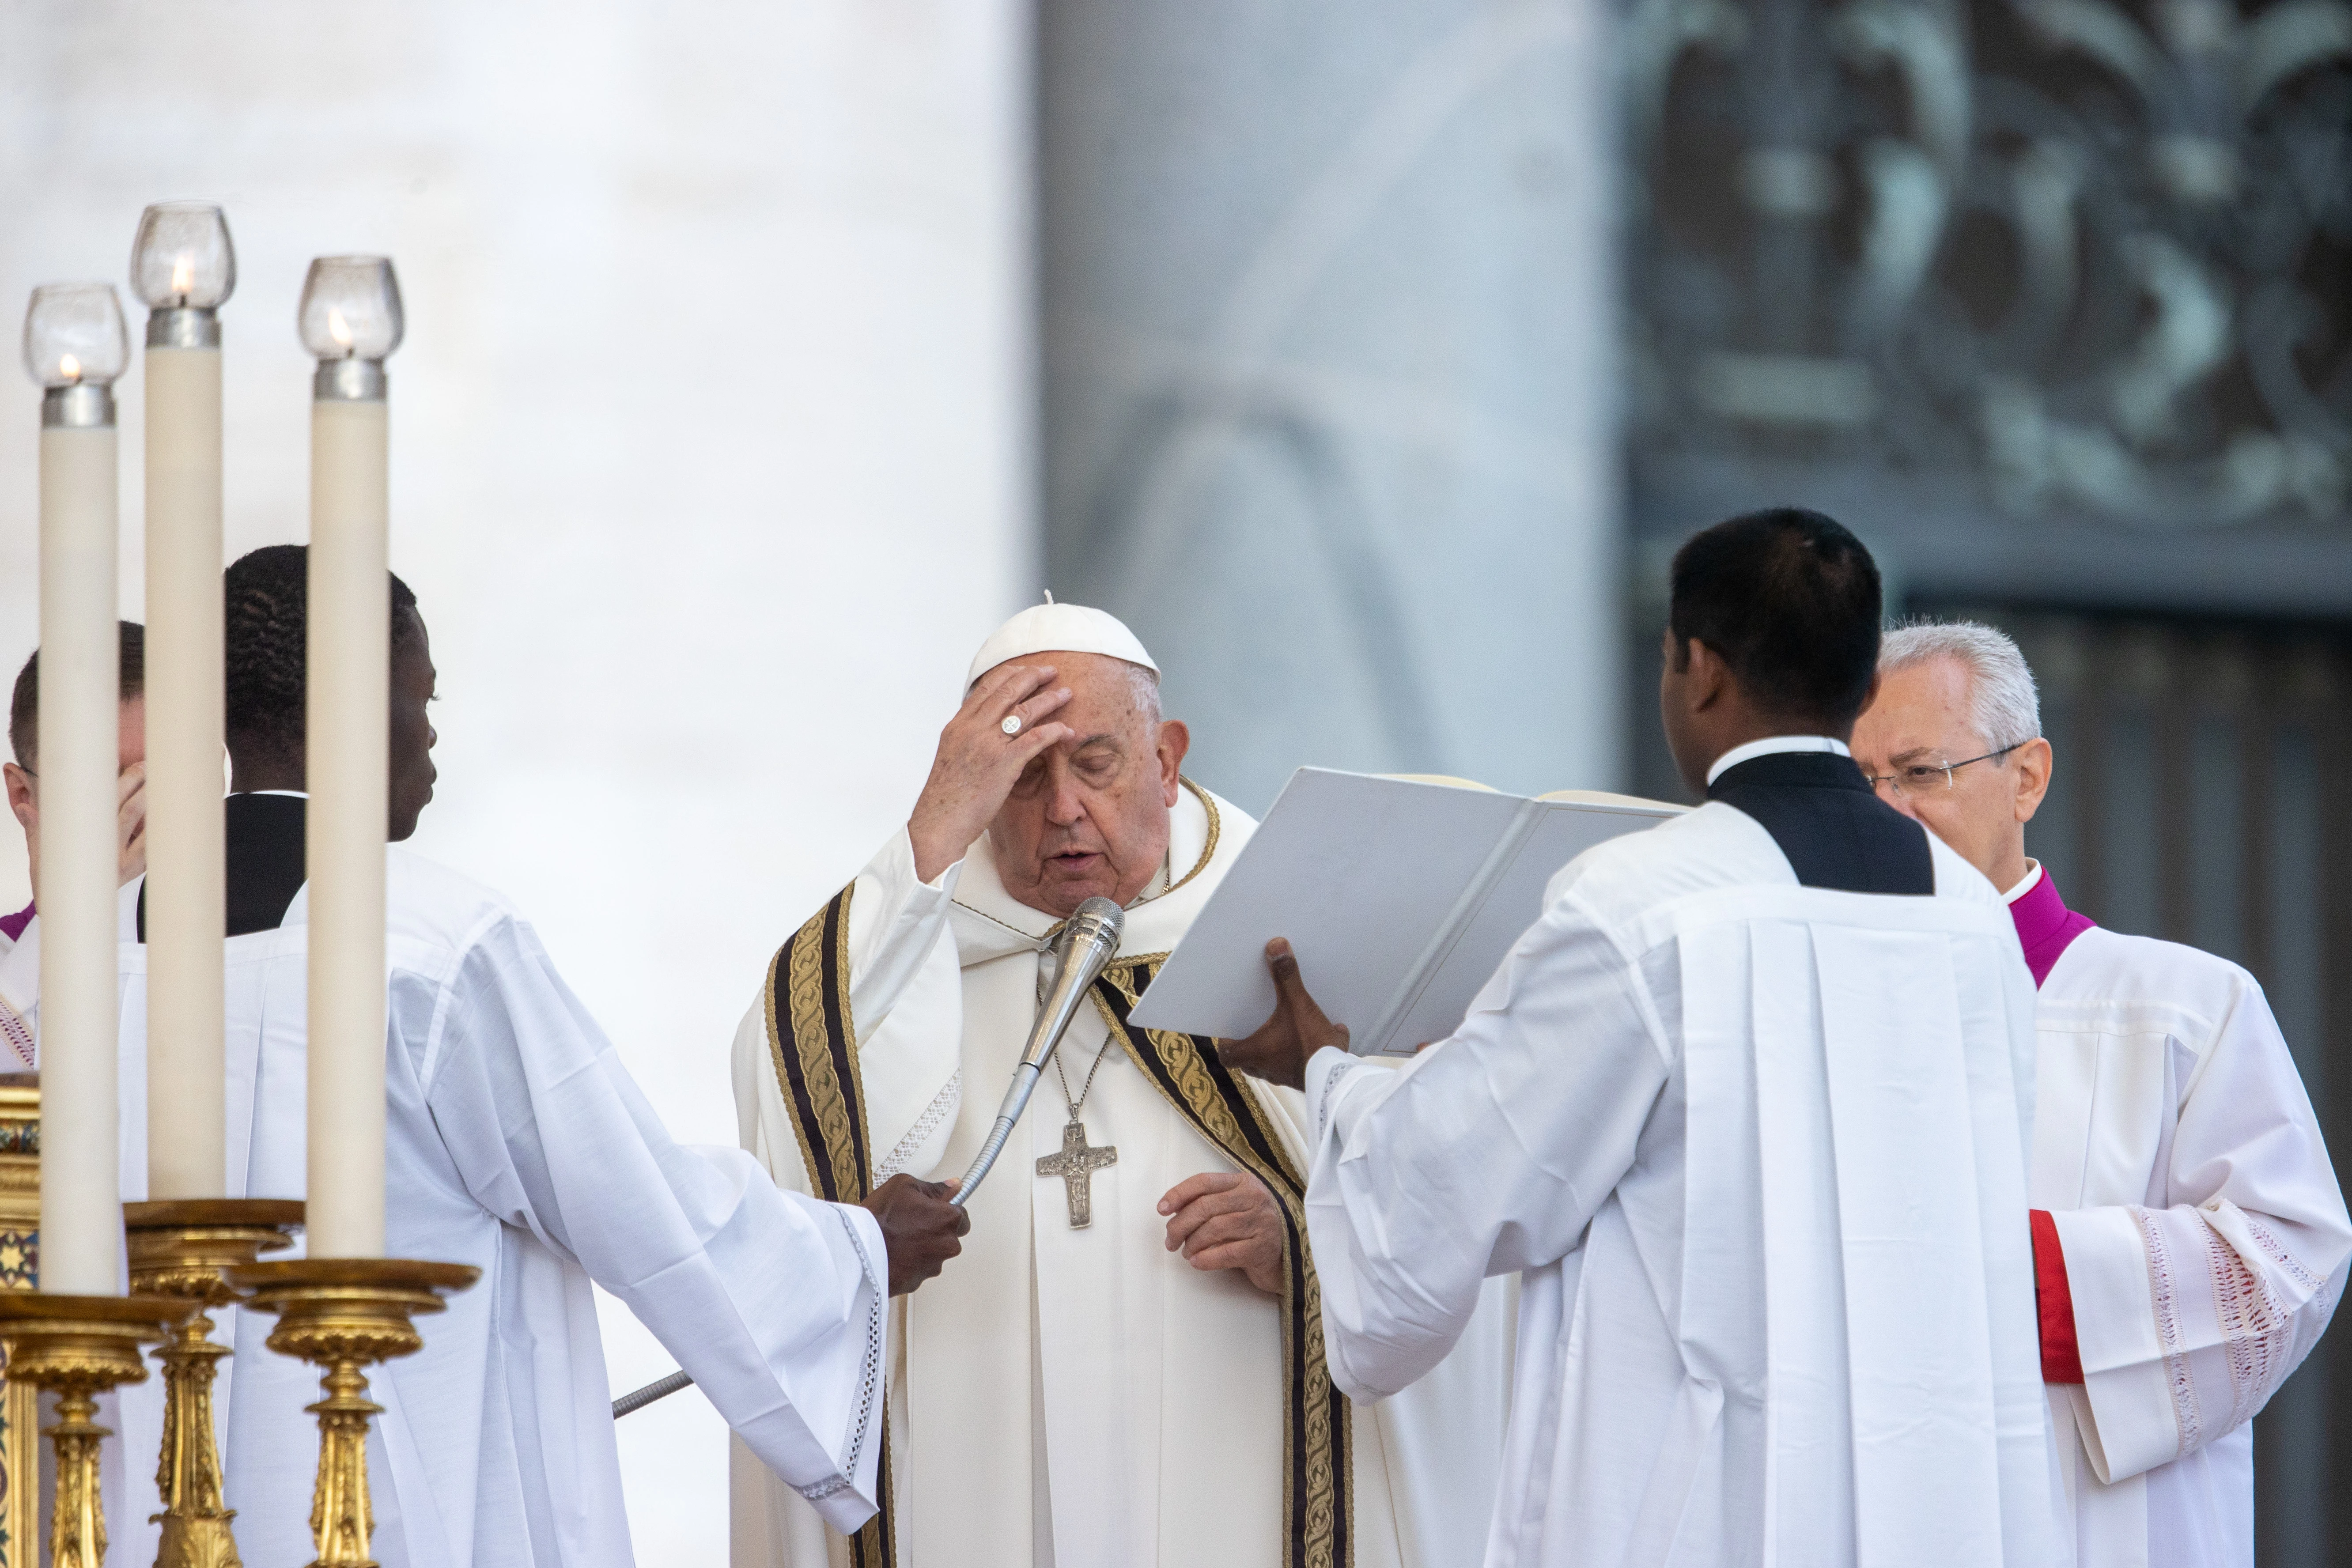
(1318, 1442)
(812, 1045)
(1208, 848)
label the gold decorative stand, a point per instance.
(78, 1347)
(183, 1248)
(343, 1314)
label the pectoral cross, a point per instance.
(1076, 1165)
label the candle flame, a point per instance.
(339, 328)
(184, 276)
(69, 367)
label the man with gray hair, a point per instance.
(2190, 1239)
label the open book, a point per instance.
(1400, 897)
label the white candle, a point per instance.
(184, 267)
(74, 346)
(351, 320)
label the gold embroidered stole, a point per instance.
(1317, 1441)
(813, 1043)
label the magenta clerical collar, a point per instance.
(2044, 924)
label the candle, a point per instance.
(75, 347)
(350, 319)
(183, 268)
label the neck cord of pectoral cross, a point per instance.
(1085, 1089)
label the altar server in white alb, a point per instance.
(516, 1141)
(2190, 1237)
(1746, 1106)
(1127, 1366)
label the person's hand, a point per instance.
(919, 1227)
(130, 823)
(1227, 1221)
(1278, 1050)
(978, 763)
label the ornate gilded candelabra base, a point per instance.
(184, 1247)
(341, 1314)
(78, 1347)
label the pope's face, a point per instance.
(1921, 720)
(1088, 818)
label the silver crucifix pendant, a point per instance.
(1076, 1165)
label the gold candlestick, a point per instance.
(78, 1347)
(183, 1248)
(343, 1314)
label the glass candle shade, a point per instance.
(183, 259)
(351, 308)
(74, 335)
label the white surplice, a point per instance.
(516, 1141)
(1085, 1397)
(2205, 1239)
(1759, 1152)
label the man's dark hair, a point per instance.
(24, 703)
(1790, 600)
(267, 592)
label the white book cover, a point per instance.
(1400, 897)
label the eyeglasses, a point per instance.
(1921, 778)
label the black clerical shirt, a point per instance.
(1830, 823)
(265, 861)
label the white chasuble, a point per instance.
(2204, 1234)
(516, 1141)
(1759, 1152)
(1082, 1396)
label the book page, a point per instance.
(1400, 898)
(1359, 872)
(1513, 901)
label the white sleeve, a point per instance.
(1486, 1155)
(776, 1304)
(905, 1010)
(2189, 1317)
(896, 922)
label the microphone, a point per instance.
(1080, 955)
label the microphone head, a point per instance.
(1098, 916)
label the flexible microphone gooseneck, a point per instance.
(1080, 955)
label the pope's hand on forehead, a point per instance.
(979, 760)
(1025, 692)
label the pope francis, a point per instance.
(1127, 1366)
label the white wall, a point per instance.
(710, 439)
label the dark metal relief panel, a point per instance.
(2007, 284)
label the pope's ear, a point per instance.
(1175, 739)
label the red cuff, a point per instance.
(2062, 1359)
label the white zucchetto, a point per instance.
(1050, 628)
